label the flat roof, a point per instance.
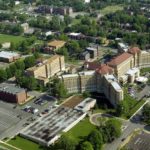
(86, 73)
(84, 103)
(11, 88)
(91, 48)
(116, 86)
(47, 128)
(46, 61)
(74, 34)
(73, 101)
(56, 43)
(8, 54)
(141, 79)
(70, 75)
(113, 81)
(132, 71)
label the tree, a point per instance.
(73, 47)
(111, 130)
(3, 75)
(65, 143)
(96, 139)
(27, 82)
(20, 65)
(122, 108)
(63, 51)
(59, 88)
(29, 61)
(12, 69)
(9, 75)
(146, 113)
(86, 94)
(86, 146)
(67, 19)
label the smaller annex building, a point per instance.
(13, 94)
(7, 56)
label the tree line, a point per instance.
(105, 133)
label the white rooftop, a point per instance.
(8, 54)
(141, 79)
(113, 82)
(91, 48)
(69, 75)
(116, 86)
(132, 71)
(110, 77)
(84, 103)
(87, 72)
(74, 34)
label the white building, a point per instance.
(86, 105)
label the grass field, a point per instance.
(111, 9)
(2, 145)
(81, 130)
(24, 144)
(10, 38)
(132, 103)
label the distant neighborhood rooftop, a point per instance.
(56, 43)
(8, 54)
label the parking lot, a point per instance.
(139, 142)
(9, 118)
(13, 118)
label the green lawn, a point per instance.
(132, 103)
(10, 38)
(111, 9)
(24, 144)
(145, 70)
(81, 130)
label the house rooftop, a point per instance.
(134, 50)
(7, 54)
(91, 65)
(56, 43)
(119, 59)
(104, 69)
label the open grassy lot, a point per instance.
(111, 9)
(24, 144)
(10, 38)
(81, 130)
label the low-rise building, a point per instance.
(86, 105)
(54, 45)
(93, 52)
(25, 27)
(9, 57)
(122, 47)
(12, 94)
(6, 45)
(85, 56)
